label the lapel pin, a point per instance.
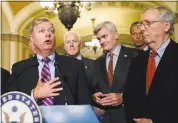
(86, 67)
(125, 55)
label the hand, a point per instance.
(112, 99)
(97, 97)
(142, 120)
(47, 89)
(98, 111)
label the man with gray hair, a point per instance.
(49, 78)
(151, 91)
(110, 74)
(72, 44)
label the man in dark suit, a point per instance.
(110, 74)
(72, 44)
(151, 89)
(49, 78)
(4, 77)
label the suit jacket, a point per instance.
(4, 77)
(160, 104)
(88, 64)
(101, 83)
(75, 86)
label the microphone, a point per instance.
(56, 64)
(11, 82)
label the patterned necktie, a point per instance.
(46, 76)
(151, 68)
(110, 69)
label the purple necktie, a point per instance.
(46, 76)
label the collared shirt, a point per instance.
(115, 57)
(79, 57)
(145, 48)
(160, 52)
(51, 64)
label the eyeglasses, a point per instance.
(146, 24)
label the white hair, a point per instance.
(73, 33)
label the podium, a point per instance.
(68, 114)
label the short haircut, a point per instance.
(134, 24)
(165, 15)
(107, 24)
(73, 33)
(38, 21)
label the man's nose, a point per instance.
(71, 44)
(48, 33)
(138, 35)
(142, 28)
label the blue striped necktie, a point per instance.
(46, 76)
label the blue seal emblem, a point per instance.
(18, 107)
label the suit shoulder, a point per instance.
(87, 60)
(22, 62)
(131, 51)
(103, 56)
(69, 60)
(4, 71)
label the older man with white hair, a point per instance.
(151, 91)
(72, 44)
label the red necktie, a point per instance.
(151, 67)
(110, 69)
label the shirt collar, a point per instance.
(161, 50)
(79, 57)
(51, 57)
(145, 48)
(116, 51)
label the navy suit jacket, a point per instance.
(77, 91)
(161, 103)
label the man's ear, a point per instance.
(167, 26)
(80, 44)
(30, 38)
(116, 34)
(64, 46)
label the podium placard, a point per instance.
(68, 114)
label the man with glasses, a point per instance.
(151, 91)
(137, 37)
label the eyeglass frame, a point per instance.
(148, 23)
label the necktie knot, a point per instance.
(46, 60)
(111, 55)
(153, 53)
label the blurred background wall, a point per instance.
(17, 16)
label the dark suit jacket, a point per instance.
(88, 64)
(101, 83)
(25, 76)
(4, 77)
(161, 103)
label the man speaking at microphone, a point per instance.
(49, 78)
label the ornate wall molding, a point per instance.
(14, 37)
(127, 4)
